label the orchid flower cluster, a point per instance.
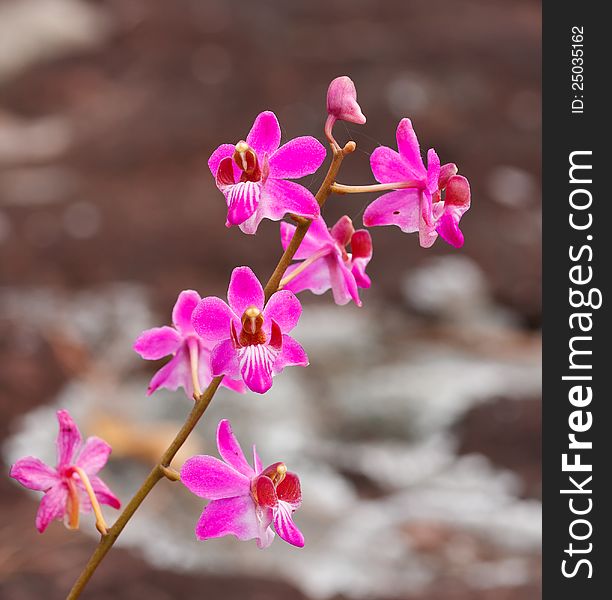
(242, 344)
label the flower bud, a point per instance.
(342, 101)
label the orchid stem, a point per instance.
(170, 473)
(203, 400)
(95, 505)
(339, 188)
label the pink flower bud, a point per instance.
(342, 101)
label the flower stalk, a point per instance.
(339, 188)
(95, 505)
(203, 400)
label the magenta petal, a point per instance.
(224, 360)
(230, 449)
(94, 455)
(284, 308)
(174, 374)
(433, 171)
(343, 230)
(265, 492)
(290, 490)
(244, 291)
(458, 193)
(361, 248)
(209, 477)
(34, 474)
(343, 284)
(103, 493)
(291, 354)
(157, 342)
(297, 158)
(449, 230)
(315, 277)
(242, 201)
(223, 151)
(317, 238)
(446, 172)
(408, 146)
(256, 364)
(389, 167)
(230, 516)
(399, 208)
(281, 197)
(265, 135)
(68, 438)
(211, 319)
(183, 310)
(52, 506)
(236, 385)
(284, 525)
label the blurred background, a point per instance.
(416, 429)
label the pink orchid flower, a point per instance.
(189, 367)
(342, 103)
(252, 175)
(411, 207)
(73, 484)
(325, 261)
(251, 340)
(244, 501)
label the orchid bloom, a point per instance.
(244, 501)
(342, 104)
(189, 367)
(410, 207)
(73, 487)
(251, 340)
(252, 175)
(325, 261)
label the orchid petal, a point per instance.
(94, 455)
(265, 492)
(244, 291)
(103, 493)
(446, 172)
(230, 449)
(230, 516)
(433, 171)
(284, 525)
(243, 198)
(317, 238)
(183, 311)
(291, 354)
(265, 135)
(34, 474)
(211, 478)
(315, 277)
(297, 158)
(280, 197)
(400, 208)
(408, 146)
(448, 228)
(284, 308)
(52, 506)
(343, 231)
(174, 374)
(290, 490)
(256, 364)
(343, 284)
(224, 360)
(68, 438)
(157, 342)
(389, 167)
(222, 152)
(211, 319)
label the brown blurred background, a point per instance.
(420, 415)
